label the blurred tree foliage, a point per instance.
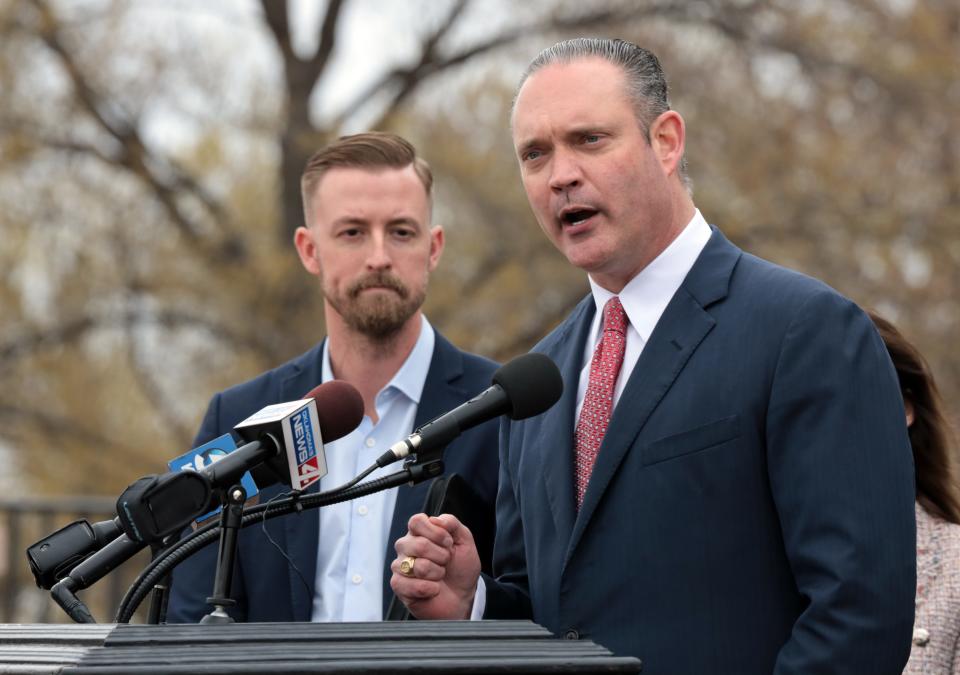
(150, 155)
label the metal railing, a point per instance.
(24, 521)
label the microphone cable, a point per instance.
(202, 536)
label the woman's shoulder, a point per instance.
(938, 544)
(931, 524)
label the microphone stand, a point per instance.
(415, 471)
(157, 613)
(230, 517)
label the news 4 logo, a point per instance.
(205, 455)
(308, 464)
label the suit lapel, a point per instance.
(558, 422)
(302, 529)
(441, 393)
(677, 335)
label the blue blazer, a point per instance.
(751, 507)
(264, 586)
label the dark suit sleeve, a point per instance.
(192, 580)
(508, 595)
(841, 475)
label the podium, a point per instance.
(465, 647)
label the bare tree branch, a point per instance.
(70, 331)
(135, 156)
(102, 456)
(404, 81)
(301, 75)
(735, 24)
(59, 426)
(278, 22)
(328, 31)
(429, 45)
(297, 137)
(66, 332)
(74, 147)
(142, 370)
(143, 373)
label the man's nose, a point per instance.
(564, 171)
(378, 256)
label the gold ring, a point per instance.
(406, 566)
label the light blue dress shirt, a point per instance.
(353, 535)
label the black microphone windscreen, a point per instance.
(532, 383)
(339, 408)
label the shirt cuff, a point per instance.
(479, 601)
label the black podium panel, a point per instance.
(393, 647)
(47, 648)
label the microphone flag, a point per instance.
(296, 427)
(207, 454)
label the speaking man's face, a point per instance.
(594, 182)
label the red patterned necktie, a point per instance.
(598, 402)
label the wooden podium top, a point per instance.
(468, 647)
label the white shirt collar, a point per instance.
(646, 296)
(412, 375)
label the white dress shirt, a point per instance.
(644, 299)
(353, 535)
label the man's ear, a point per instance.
(306, 249)
(668, 138)
(436, 246)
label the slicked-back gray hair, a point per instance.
(646, 82)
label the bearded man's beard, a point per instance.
(379, 316)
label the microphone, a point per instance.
(285, 435)
(55, 555)
(286, 445)
(52, 557)
(526, 386)
(295, 433)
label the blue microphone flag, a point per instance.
(205, 455)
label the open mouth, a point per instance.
(574, 216)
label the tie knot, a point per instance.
(614, 318)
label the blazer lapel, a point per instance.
(681, 329)
(440, 394)
(302, 529)
(557, 423)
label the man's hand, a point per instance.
(443, 580)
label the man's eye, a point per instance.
(350, 233)
(591, 138)
(531, 155)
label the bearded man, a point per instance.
(370, 241)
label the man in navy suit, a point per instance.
(370, 240)
(726, 485)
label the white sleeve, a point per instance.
(479, 601)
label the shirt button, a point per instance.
(571, 634)
(921, 636)
(371, 442)
(363, 510)
(357, 579)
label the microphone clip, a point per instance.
(294, 496)
(421, 468)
